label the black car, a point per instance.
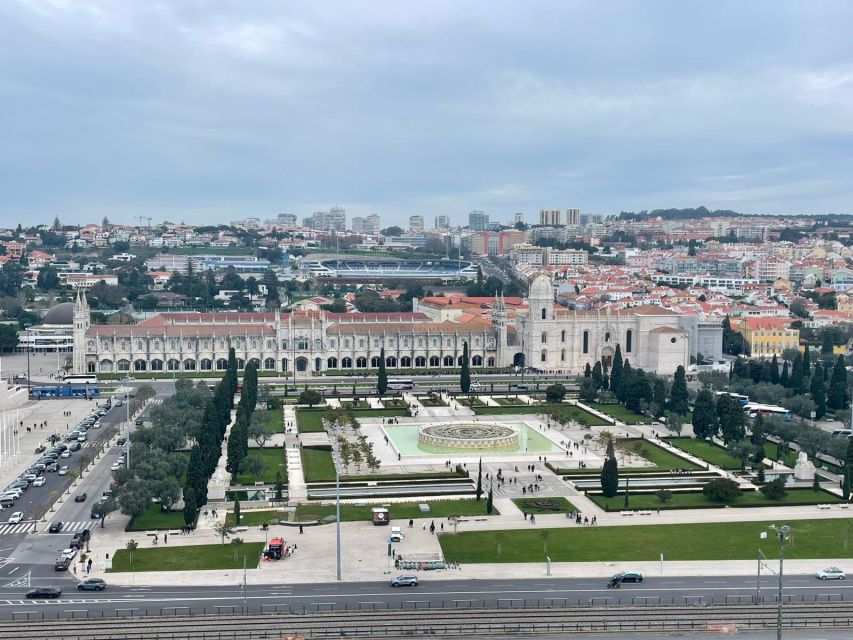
(55, 527)
(629, 576)
(80, 497)
(44, 592)
(92, 584)
(122, 440)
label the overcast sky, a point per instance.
(208, 111)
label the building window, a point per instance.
(139, 365)
(405, 362)
(490, 362)
(448, 361)
(544, 356)
(544, 337)
(562, 355)
(346, 363)
(434, 361)
(156, 365)
(361, 363)
(586, 341)
(420, 361)
(221, 364)
(629, 341)
(544, 314)
(374, 362)
(173, 365)
(607, 336)
(332, 363)
(207, 365)
(477, 361)
(563, 335)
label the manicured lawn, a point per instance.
(428, 401)
(309, 420)
(156, 518)
(255, 518)
(397, 510)
(394, 403)
(658, 456)
(538, 506)
(273, 459)
(508, 401)
(524, 408)
(190, 558)
(379, 413)
(621, 413)
(317, 465)
(704, 541)
(271, 419)
(696, 499)
(707, 451)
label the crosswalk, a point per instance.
(27, 527)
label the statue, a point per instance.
(804, 469)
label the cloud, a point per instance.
(204, 111)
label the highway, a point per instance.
(437, 592)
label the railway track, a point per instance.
(457, 622)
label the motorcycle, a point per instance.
(614, 583)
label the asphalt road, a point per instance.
(432, 592)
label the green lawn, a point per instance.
(271, 419)
(538, 506)
(379, 413)
(317, 465)
(658, 456)
(309, 420)
(704, 541)
(273, 459)
(397, 510)
(254, 518)
(156, 518)
(189, 558)
(707, 451)
(619, 412)
(696, 499)
(434, 401)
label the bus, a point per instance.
(67, 391)
(396, 384)
(735, 396)
(80, 378)
(753, 409)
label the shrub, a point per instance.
(721, 490)
(664, 495)
(775, 489)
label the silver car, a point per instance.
(404, 581)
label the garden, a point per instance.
(540, 506)
(698, 500)
(190, 558)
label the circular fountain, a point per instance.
(468, 435)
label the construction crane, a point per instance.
(141, 218)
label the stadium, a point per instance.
(326, 267)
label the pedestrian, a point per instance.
(165, 538)
(300, 529)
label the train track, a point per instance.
(425, 622)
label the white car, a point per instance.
(68, 553)
(115, 466)
(39, 482)
(831, 573)
(65, 454)
(16, 517)
(63, 470)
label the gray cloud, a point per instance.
(213, 110)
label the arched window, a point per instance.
(269, 363)
(544, 337)
(207, 364)
(607, 336)
(374, 362)
(544, 314)
(448, 361)
(284, 364)
(562, 355)
(490, 362)
(477, 361)
(241, 364)
(390, 361)
(221, 364)
(332, 363)
(173, 365)
(361, 363)
(544, 356)
(318, 364)
(189, 364)
(90, 367)
(420, 361)
(346, 363)
(563, 335)
(106, 366)
(139, 365)
(405, 362)
(586, 341)
(629, 340)
(156, 365)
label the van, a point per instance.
(396, 534)
(7, 501)
(842, 433)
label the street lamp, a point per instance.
(336, 450)
(782, 534)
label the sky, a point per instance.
(205, 112)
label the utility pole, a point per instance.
(782, 534)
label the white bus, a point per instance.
(398, 384)
(754, 408)
(80, 378)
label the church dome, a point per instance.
(63, 313)
(541, 288)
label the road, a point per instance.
(432, 592)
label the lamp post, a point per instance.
(336, 427)
(782, 534)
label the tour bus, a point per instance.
(400, 384)
(735, 396)
(754, 408)
(80, 378)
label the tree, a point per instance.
(278, 486)
(258, 432)
(818, 391)
(48, 279)
(587, 390)
(465, 373)
(847, 480)
(134, 498)
(587, 372)
(797, 380)
(223, 530)
(616, 371)
(107, 507)
(721, 490)
(555, 393)
(610, 473)
(236, 512)
(310, 397)
(675, 423)
(624, 381)
(758, 438)
(169, 492)
(8, 337)
(826, 343)
(392, 232)
(775, 489)
(664, 495)
(837, 397)
(785, 377)
(190, 507)
(705, 422)
(774, 370)
(659, 396)
(731, 419)
(678, 392)
(480, 481)
(598, 375)
(382, 379)
(490, 502)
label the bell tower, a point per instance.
(81, 321)
(499, 326)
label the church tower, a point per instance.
(499, 325)
(82, 320)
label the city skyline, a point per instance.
(183, 114)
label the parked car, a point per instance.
(16, 517)
(39, 482)
(55, 527)
(139, 422)
(115, 466)
(44, 592)
(53, 466)
(121, 441)
(79, 538)
(63, 470)
(65, 454)
(831, 573)
(61, 564)
(404, 581)
(92, 584)
(75, 446)
(69, 553)
(629, 576)
(80, 497)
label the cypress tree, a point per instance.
(490, 502)
(480, 481)
(774, 370)
(465, 373)
(249, 395)
(190, 506)
(597, 376)
(678, 393)
(766, 370)
(610, 473)
(659, 396)
(705, 423)
(757, 438)
(731, 420)
(807, 363)
(382, 378)
(837, 399)
(624, 381)
(797, 382)
(848, 469)
(616, 371)
(236, 512)
(785, 378)
(587, 372)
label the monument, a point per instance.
(804, 469)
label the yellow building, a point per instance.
(767, 337)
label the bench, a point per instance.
(824, 506)
(645, 513)
(844, 505)
(627, 513)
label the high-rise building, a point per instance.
(550, 217)
(359, 225)
(287, 220)
(518, 217)
(478, 220)
(373, 224)
(573, 217)
(333, 220)
(442, 222)
(416, 224)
